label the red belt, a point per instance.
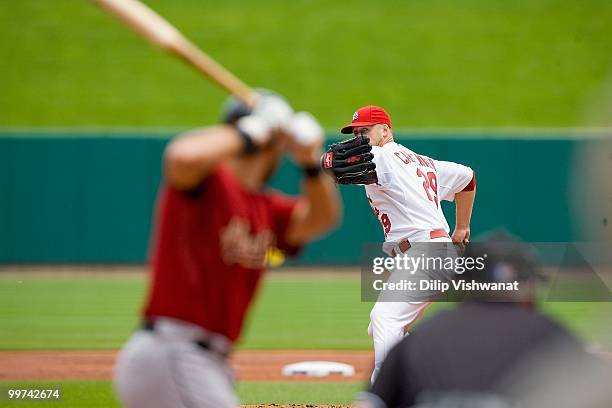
(439, 233)
(405, 245)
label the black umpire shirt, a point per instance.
(468, 349)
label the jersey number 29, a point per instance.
(430, 182)
(384, 218)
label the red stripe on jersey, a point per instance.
(472, 184)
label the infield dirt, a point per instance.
(251, 365)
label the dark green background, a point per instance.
(88, 198)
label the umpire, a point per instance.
(490, 351)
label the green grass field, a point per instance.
(439, 63)
(100, 312)
(292, 312)
(99, 394)
(300, 312)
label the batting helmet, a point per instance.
(233, 109)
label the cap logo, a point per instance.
(356, 115)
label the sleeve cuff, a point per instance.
(472, 184)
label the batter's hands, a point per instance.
(270, 113)
(254, 128)
(274, 110)
(305, 138)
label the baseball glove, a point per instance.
(350, 161)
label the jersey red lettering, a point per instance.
(422, 160)
(433, 183)
(430, 182)
(386, 223)
(404, 157)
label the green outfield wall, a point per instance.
(88, 198)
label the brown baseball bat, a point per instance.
(164, 35)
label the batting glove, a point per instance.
(273, 109)
(255, 130)
(304, 129)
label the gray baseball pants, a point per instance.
(167, 369)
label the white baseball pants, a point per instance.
(390, 321)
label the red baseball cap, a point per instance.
(367, 116)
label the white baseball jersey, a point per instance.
(407, 197)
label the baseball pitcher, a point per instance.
(404, 190)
